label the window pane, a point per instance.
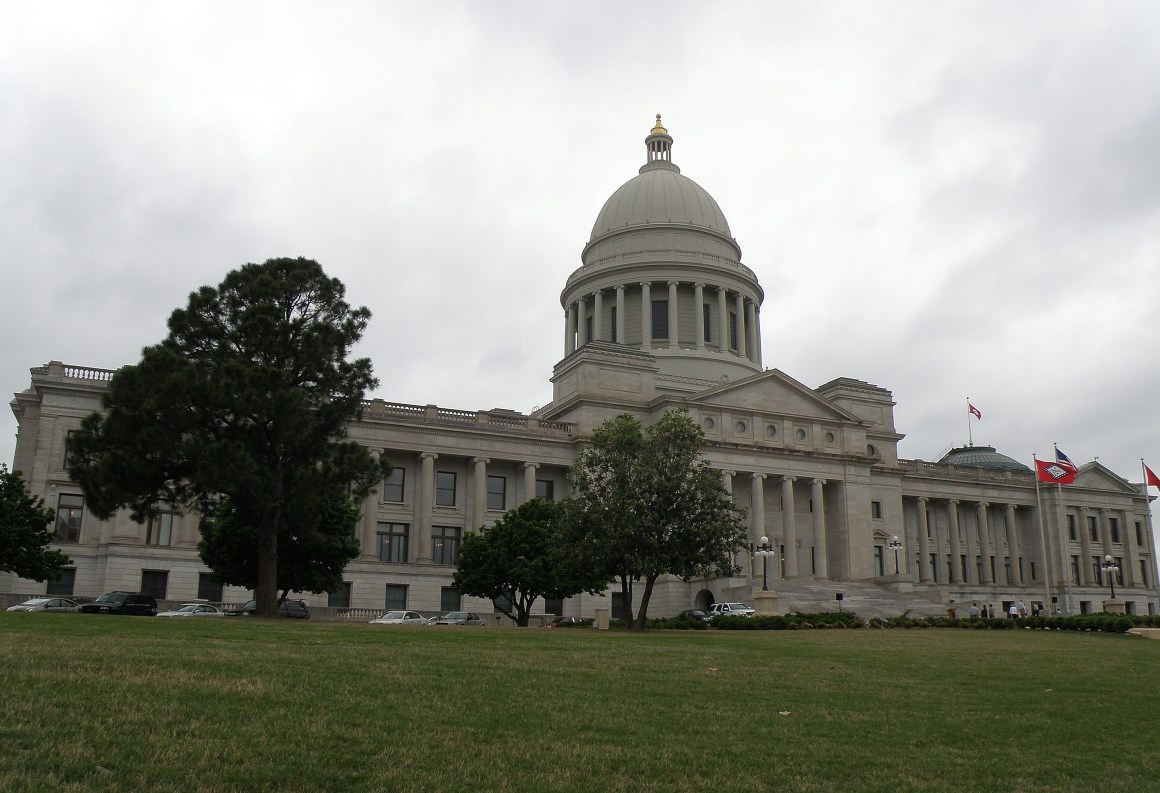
(708, 325)
(393, 542)
(732, 330)
(64, 584)
(340, 598)
(396, 596)
(393, 485)
(208, 589)
(445, 544)
(496, 490)
(546, 489)
(612, 322)
(155, 582)
(445, 489)
(159, 529)
(69, 512)
(660, 319)
(449, 599)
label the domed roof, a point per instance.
(660, 195)
(982, 457)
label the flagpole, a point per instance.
(1043, 539)
(1148, 517)
(1066, 588)
(970, 438)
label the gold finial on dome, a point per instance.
(658, 129)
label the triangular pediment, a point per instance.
(1095, 476)
(773, 392)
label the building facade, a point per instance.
(661, 314)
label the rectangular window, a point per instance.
(1139, 534)
(732, 330)
(393, 485)
(934, 566)
(445, 489)
(554, 606)
(68, 436)
(208, 589)
(70, 510)
(155, 582)
(1033, 576)
(68, 576)
(876, 510)
(1093, 528)
(707, 324)
(1075, 570)
(1071, 527)
(449, 599)
(496, 492)
(339, 598)
(1114, 527)
(660, 319)
(445, 544)
(1143, 575)
(612, 325)
(929, 527)
(588, 329)
(396, 596)
(879, 560)
(1119, 562)
(1097, 570)
(393, 542)
(159, 528)
(1007, 567)
(546, 489)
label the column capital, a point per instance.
(673, 283)
(954, 502)
(818, 481)
(759, 475)
(478, 460)
(597, 292)
(790, 479)
(646, 283)
(727, 472)
(698, 283)
(428, 456)
(531, 465)
(618, 287)
(923, 499)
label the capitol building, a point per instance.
(661, 314)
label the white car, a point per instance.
(193, 610)
(399, 618)
(731, 609)
(45, 604)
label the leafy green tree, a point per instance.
(644, 503)
(247, 399)
(25, 533)
(521, 559)
(317, 543)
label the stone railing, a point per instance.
(55, 370)
(433, 414)
(966, 472)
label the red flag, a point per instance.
(1150, 479)
(1050, 471)
(974, 411)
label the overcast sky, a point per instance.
(948, 200)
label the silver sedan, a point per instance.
(193, 610)
(399, 618)
(45, 604)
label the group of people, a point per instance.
(1014, 611)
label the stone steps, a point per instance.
(863, 598)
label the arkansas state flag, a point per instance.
(1150, 478)
(1055, 472)
(974, 411)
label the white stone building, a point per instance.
(661, 314)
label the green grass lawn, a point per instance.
(117, 703)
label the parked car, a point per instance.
(293, 609)
(731, 609)
(138, 603)
(45, 604)
(399, 618)
(193, 610)
(695, 614)
(460, 618)
(564, 622)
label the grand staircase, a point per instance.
(863, 598)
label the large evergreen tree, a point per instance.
(25, 532)
(520, 559)
(246, 399)
(644, 503)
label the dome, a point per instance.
(982, 457)
(660, 195)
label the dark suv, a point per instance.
(294, 609)
(139, 603)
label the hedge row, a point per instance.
(1105, 623)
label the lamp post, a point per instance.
(896, 545)
(764, 550)
(1110, 569)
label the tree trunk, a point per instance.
(626, 594)
(649, 581)
(266, 596)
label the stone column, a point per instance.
(479, 494)
(597, 316)
(1128, 534)
(789, 527)
(819, 529)
(1013, 545)
(368, 545)
(722, 320)
(757, 517)
(620, 314)
(727, 482)
(570, 329)
(699, 313)
(1106, 532)
(645, 314)
(422, 535)
(924, 574)
(757, 325)
(1085, 544)
(582, 323)
(530, 480)
(751, 328)
(984, 544)
(956, 574)
(674, 340)
(740, 309)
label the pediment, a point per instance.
(1094, 476)
(773, 392)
